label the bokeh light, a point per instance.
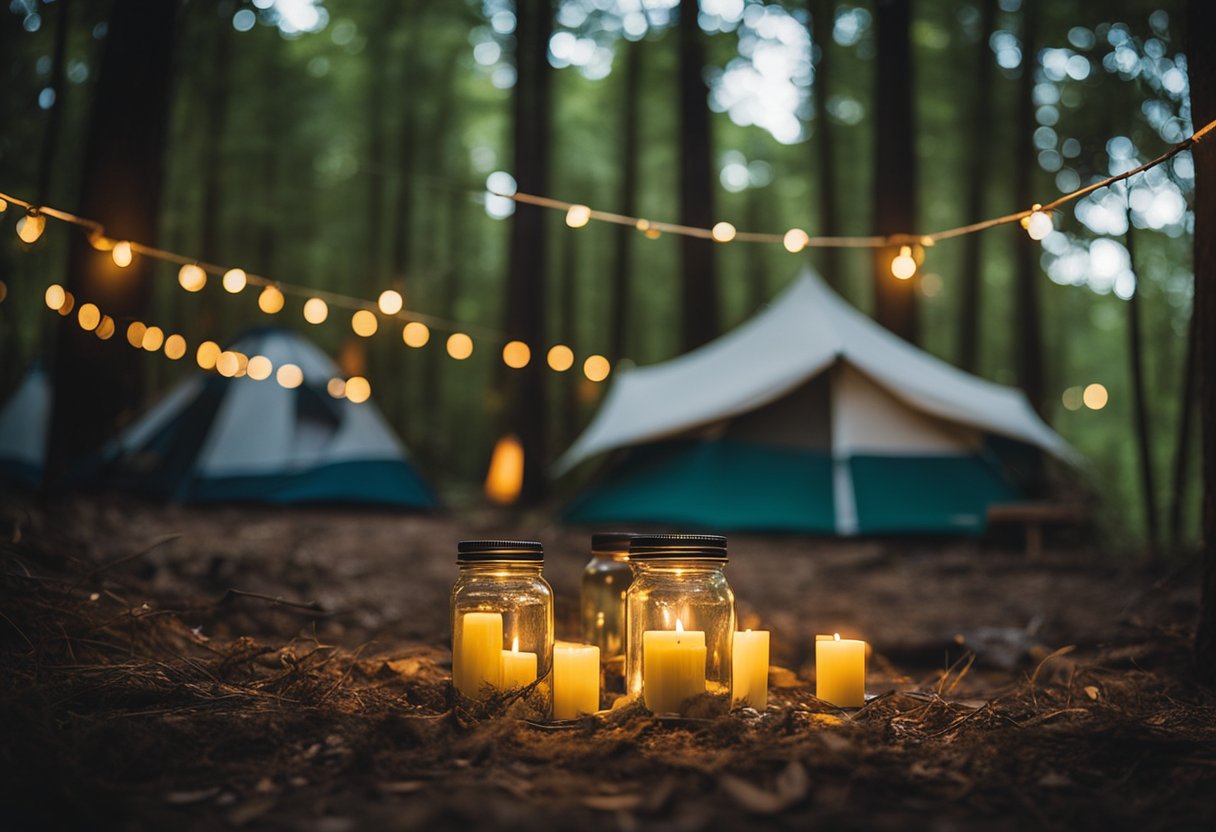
(135, 334)
(796, 240)
(723, 232)
(289, 376)
(259, 367)
(89, 317)
(121, 254)
(578, 215)
(1072, 398)
(336, 388)
(54, 296)
(30, 227)
(364, 323)
(175, 347)
(460, 346)
(390, 302)
(415, 334)
(596, 368)
(904, 264)
(358, 389)
(315, 310)
(191, 277)
(271, 300)
(1095, 396)
(560, 358)
(105, 329)
(516, 354)
(234, 280)
(207, 354)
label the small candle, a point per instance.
(576, 679)
(477, 653)
(749, 669)
(673, 667)
(518, 669)
(840, 671)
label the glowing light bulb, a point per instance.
(1039, 225)
(31, 226)
(100, 241)
(69, 302)
(460, 346)
(560, 358)
(390, 302)
(315, 310)
(191, 277)
(207, 354)
(105, 329)
(516, 354)
(227, 364)
(259, 367)
(3, 206)
(89, 317)
(795, 240)
(904, 266)
(1095, 396)
(336, 388)
(723, 232)
(234, 280)
(358, 389)
(578, 215)
(135, 334)
(364, 323)
(153, 338)
(289, 376)
(596, 368)
(121, 254)
(55, 296)
(415, 334)
(271, 300)
(175, 347)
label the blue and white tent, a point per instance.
(216, 439)
(810, 417)
(24, 421)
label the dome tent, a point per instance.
(216, 439)
(23, 429)
(810, 417)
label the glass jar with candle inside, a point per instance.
(681, 623)
(502, 625)
(602, 603)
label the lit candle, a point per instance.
(840, 671)
(673, 667)
(749, 669)
(518, 669)
(576, 679)
(477, 653)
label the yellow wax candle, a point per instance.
(673, 667)
(518, 668)
(576, 679)
(749, 669)
(476, 654)
(840, 671)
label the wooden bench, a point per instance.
(1033, 516)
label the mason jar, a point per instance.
(502, 625)
(602, 603)
(680, 615)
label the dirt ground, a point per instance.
(288, 669)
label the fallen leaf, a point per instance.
(1091, 692)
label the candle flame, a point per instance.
(838, 636)
(679, 626)
(515, 644)
(748, 630)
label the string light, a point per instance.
(516, 355)
(207, 354)
(69, 301)
(89, 316)
(259, 367)
(336, 388)
(357, 389)
(577, 216)
(364, 323)
(390, 302)
(153, 338)
(31, 226)
(175, 347)
(460, 346)
(289, 376)
(3, 206)
(596, 368)
(271, 300)
(1038, 225)
(723, 232)
(904, 265)
(234, 280)
(795, 240)
(227, 364)
(415, 334)
(121, 254)
(54, 296)
(191, 277)
(105, 329)
(1095, 396)
(560, 358)
(315, 310)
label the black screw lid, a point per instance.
(473, 551)
(611, 541)
(697, 546)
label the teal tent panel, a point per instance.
(381, 482)
(722, 485)
(932, 494)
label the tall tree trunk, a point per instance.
(374, 224)
(631, 98)
(50, 140)
(527, 411)
(1182, 448)
(698, 279)
(96, 383)
(403, 208)
(1135, 355)
(894, 164)
(272, 92)
(1027, 324)
(1201, 21)
(978, 158)
(820, 23)
(218, 88)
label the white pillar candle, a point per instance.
(477, 653)
(673, 667)
(749, 669)
(576, 679)
(518, 668)
(840, 671)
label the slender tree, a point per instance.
(46, 161)
(1028, 326)
(1135, 355)
(895, 176)
(1201, 67)
(979, 136)
(819, 23)
(527, 411)
(699, 305)
(631, 99)
(1182, 445)
(217, 92)
(96, 383)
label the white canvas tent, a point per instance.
(813, 417)
(23, 429)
